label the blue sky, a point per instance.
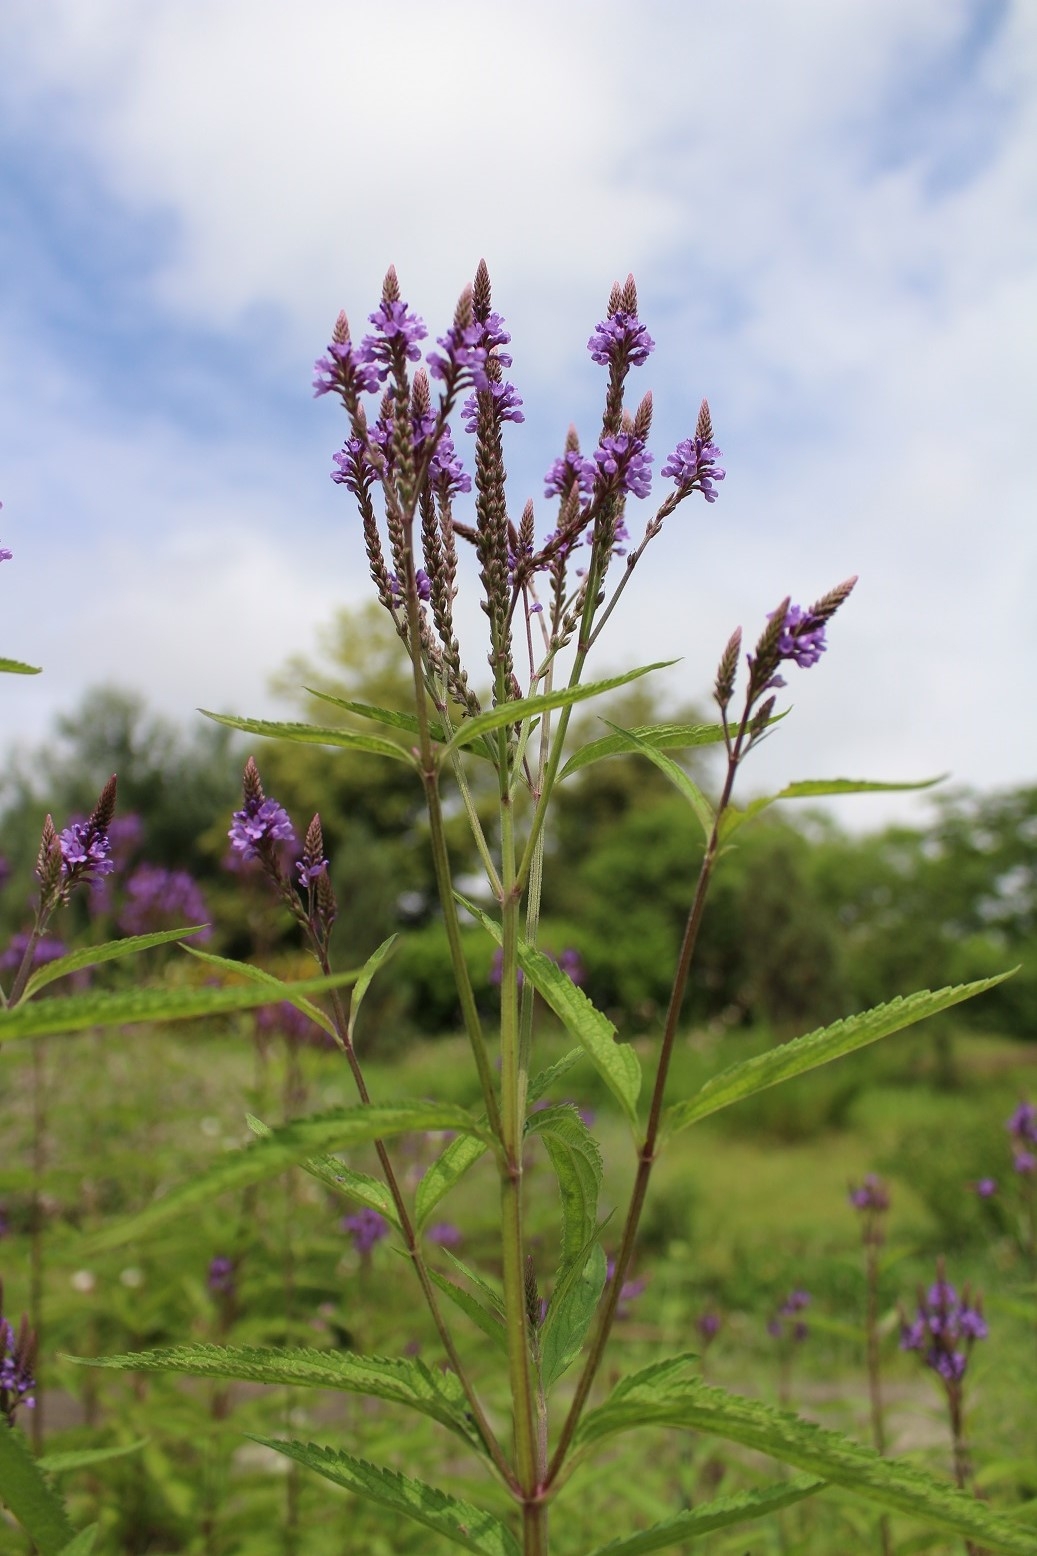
(831, 212)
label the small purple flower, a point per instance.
(445, 471)
(367, 1229)
(17, 1356)
(85, 852)
(1023, 1123)
(802, 638)
(445, 1233)
(708, 1326)
(463, 352)
(506, 405)
(569, 469)
(259, 823)
(871, 1195)
(621, 337)
(786, 1323)
(5, 555)
(221, 1276)
(1024, 1162)
(571, 964)
(344, 370)
(986, 1188)
(421, 578)
(396, 327)
(693, 467)
(628, 1292)
(944, 1329)
(623, 462)
(355, 469)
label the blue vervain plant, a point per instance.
(546, 600)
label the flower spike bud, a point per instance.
(761, 718)
(825, 608)
(48, 838)
(704, 425)
(313, 864)
(390, 287)
(572, 440)
(420, 400)
(615, 301)
(481, 292)
(102, 813)
(628, 296)
(532, 1294)
(252, 784)
(340, 333)
(643, 417)
(526, 529)
(464, 312)
(327, 907)
(725, 682)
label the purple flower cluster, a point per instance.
(446, 471)
(355, 469)
(259, 822)
(344, 369)
(944, 1329)
(367, 1229)
(621, 337)
(1022, 1126)
(802, 637)
(569, 469)
(693, 466)
(396, 327)
(507, 404)
(623, 462)
(870, 1196)
(421, 578)
(17, 1355)
(468, 348)
(786, 1323)
(86, 852)
(157, 898)
(5, 555)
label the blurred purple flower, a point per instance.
(1024, 1162)
(944, 1329)
(786, 1324)
(47, 949)
(157, 898)
(708, 1326)
(871, 1195)
(628, 1292)
(986, 1188)
(221, 1276)
(445, 1233)
(1023, 1123)
(367, 1228)
(17, 1355)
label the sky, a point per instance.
(830, 209)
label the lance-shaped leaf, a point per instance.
(16, 667)
(576, 1160)
(464, 1152)
(391, 717)
(83, 1458)
(736, 816)
(83, 1543)
(110, 951)
(253, 974)
(574, 1302)
(486, 1315)
(468, 1526)
(709, 1516)
(673, 773)
(404, 1380)
(816, 1048)
(506, 713)
(315, 735)
(296, 1142)
(79, 1012)
(367, 972)
(616, 1063)
(335, 1175)
(26, 1493)
(660, 737)
(888, 1483)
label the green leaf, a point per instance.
(259, 975)
(16, 667)
(506, 713)
(812, 789)
(82, 1458)
(79, 1012)
(676, 737)
(494, 1298)
(709, 1516)
(94, 955)
(295, 1142)
(314, 735)
(576, 1160)
(388, 716)
(459, 1521)
(685, 786)
(616, 1063)
(657, 1376)
(367, 972)
(341, 1179)
(83, 1543)
(24, 1491)
(464, 1152)
(404, 1380)
(816, 1048)
(573, 1305)
(889, 1483)
(490, 1325)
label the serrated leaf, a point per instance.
(544, 1079)
(404, 1380)
(573, 1305)
(736, 816)
(391, 717)
(258, 975)
(26, 1493)
(675, 737)
(576, 1160)
(341, 1179)
(314, 735)
(82, 1458)
(616, 1063)
(506, 713)
(83, 1543)
(468, 1526)
(708, 1516)
(79, 1012)
(888, 1483)
(819, 1047)
(657, 1376)
(490, 1325)
(110, 951)
(296, 1142)
(17, 667)
(675, 774)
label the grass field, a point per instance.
(742, 1213)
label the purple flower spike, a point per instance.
(1023, 1123)
(622, 336)
(86, 852)
(693, 465)
(445, 471)
(944, 1329)
(506, 405)
(344, 370)
(367, 1229)
(258, 823)
(355, 469)
(802, 638)
(394, 324)
(571, 468)
(622, 462)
